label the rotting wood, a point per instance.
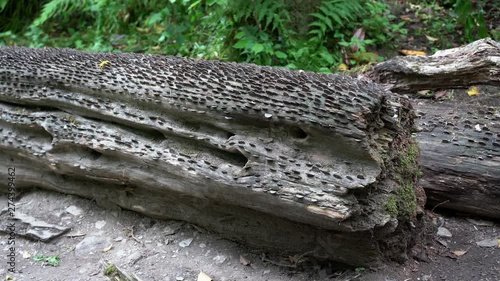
(283, 160)
(459, 134)
(460, 151)
(472, 64)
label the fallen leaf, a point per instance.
(405, 17)
(26, 255)
(104, 63)
(487, 243)
(473, 91)
(107, 248)
(244, 261)
(441, 94)
(430, 38)
(425, 93)
(459, 253)
(185, 243)
(342, 67)
(413, 53)
(203, 277)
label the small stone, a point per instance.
(219, 259)
(443, 232)
(100, 224)
(91, 244)
(185, 243)
(486, 243)
(73, 210)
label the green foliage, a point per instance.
(317, 36)
(50, 260)
(15, 15)
(471, 19)
(457, 21)
(259, 25)
(174, 27)
(332, 15)
(266, 37)
(380, 24)
(258, 31)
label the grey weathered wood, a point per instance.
(284, 160)
(460, 135)
(460, 152)
(472, 64)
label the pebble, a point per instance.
(443, 232)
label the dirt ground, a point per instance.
(170, 250)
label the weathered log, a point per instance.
(472, 64)
(460, 152)
(284, 160)
(460, 134)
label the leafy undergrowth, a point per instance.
(324, 36)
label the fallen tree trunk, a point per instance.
(459, 134)
(287, 161)
(473, 64)
(460, 155)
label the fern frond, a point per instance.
(51, 9)
(3, 3)
(333, 14)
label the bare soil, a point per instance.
(160, 250)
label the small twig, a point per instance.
(131, 235)
(437, 205)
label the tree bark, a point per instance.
(473, 64)
(284, 160)
(459, 134)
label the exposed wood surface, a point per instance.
(460, 151)
(472, 64)
(460, 137)
(284, 160)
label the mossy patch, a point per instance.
(391, 206)
(408, 163)
(403, 201)
(110, 270)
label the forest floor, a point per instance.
(160, 250)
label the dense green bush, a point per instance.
(315, 35)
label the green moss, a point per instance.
(408, 163)
(403, 202)
(391, 206)
(110, 270)
(407, 199)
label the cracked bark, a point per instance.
(459, 136)
(283, 160)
